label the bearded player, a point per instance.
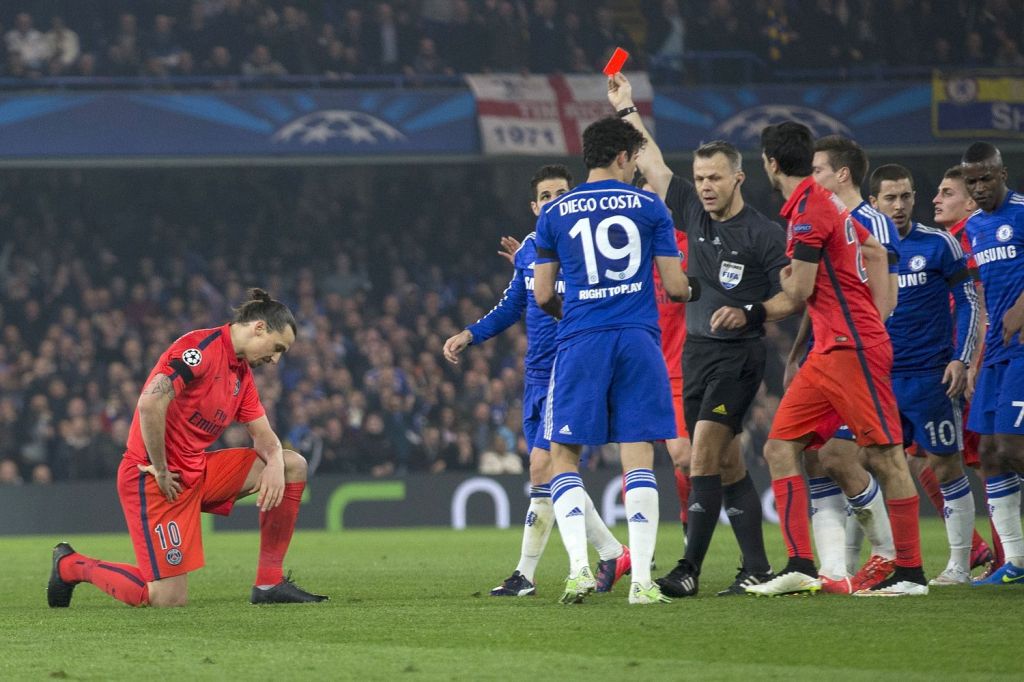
(199, 386)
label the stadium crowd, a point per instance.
(93, 289)
(337, 39)
(365, 391)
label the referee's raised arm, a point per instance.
(650, 161)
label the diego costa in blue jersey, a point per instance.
(609, 382)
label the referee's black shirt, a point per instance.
(737, 260)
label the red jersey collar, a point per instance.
(795, 197)
(959, 226)
(229, 348)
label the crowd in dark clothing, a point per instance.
(338, 39)
(101, 270)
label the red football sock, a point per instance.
(123, 582)
(276, 528)
(792, 502)
(906, 531)
(976, 540)
(930, 484)
(683, 490)
(997, 545)
(75, 568)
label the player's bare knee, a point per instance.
(782, 458)
(679, 450)
(1009, 455)
(169, 602)
(812, 465)
(733, 469)
(703, 462)
(947, 469)
(295, 466)
(168, 597)
(918, 464)
(835, 470)
(540, 470)
(988, 453)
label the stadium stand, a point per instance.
(720, 41)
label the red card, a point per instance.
(614, 64)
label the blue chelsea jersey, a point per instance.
(882, 228)
(997, 244)
(932, 266)
(518, 297)
(606, 235)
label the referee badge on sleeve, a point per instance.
(730, 274)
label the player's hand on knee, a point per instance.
(168, 481)
(270, 486)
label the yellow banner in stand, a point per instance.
(977, 104)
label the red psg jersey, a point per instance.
(672, 318)
(843, 313)
(212, 388)
(960, 234)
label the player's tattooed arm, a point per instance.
(161, 385)
(152, 405)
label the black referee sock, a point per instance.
(705, 506)
(743, 507)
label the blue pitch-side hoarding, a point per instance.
(430, 123)
(266, 123)
(877, 115)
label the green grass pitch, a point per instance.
(413, 605)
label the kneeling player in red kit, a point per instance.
(200, 385)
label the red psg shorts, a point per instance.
(167, 536)
(844, 386)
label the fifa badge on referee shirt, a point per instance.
(730, 274)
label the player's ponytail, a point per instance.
(261, 306)
(257, 294)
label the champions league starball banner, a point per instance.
(873, 115)
(255, 123)
(492, 115)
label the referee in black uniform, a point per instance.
(736, 253)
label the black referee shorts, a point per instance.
(721, 380)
